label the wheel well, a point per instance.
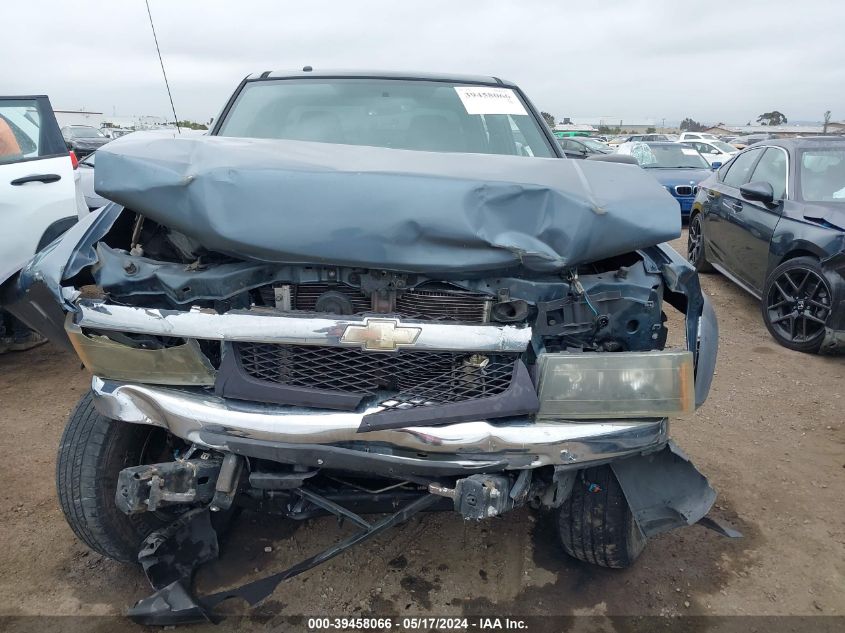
(798, 253)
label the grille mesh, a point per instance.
(415, 378)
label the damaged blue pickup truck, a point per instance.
(369, 294)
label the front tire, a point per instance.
(596, 524)
(797, 303)
(696, 252)
(93, 450)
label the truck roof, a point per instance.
(380, 74)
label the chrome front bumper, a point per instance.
(293, 435)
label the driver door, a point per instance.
(757, 221)
(723, 226)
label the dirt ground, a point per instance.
(770, 438)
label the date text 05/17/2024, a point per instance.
(417, 623)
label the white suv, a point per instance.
(697, 136)
(38, 197)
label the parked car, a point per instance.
(115, 132)
(582, 147)
(773, 221)
(675, 166)
(697, 136)
(741, 142)
(38, 198)
(716, 153)
(631, 138)
(93, 200)
(83, 139)
(362, 292)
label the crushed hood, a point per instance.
(316, 203)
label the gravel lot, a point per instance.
(770, 438)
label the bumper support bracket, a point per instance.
(171, 558)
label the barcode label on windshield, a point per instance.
(483, 100)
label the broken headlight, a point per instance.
(183, 364)
(616, 385)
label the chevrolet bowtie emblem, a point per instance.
(380, 334)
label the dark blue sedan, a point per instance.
(773, 221)
(677, 167)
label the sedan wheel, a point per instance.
(695, 245)
(797, 304)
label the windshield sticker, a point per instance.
(689, 152)
(483, 100)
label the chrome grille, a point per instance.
(683, 190)
(414, 378)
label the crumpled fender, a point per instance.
(683, 292)
(35, 294)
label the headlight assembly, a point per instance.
(616, 384)
(182, 364)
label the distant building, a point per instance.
(721, 130)
(78, 117)
(124, 122)
(96, 119)
(779, 130)
(147, 122)
(564, 128)
(628, 125)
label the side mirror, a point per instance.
(714, 151)
(758, 191)
(716, 164)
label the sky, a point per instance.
(711, 60)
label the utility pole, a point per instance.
(663, 125)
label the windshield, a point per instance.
(430, 116)
(593, 144)
(724, 147)
(85, 132)
(668, 156)
(823, 175)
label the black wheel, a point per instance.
(696, 253)
(797, 304)
(596, 524)
(93, 450)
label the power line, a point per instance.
(161, 61)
